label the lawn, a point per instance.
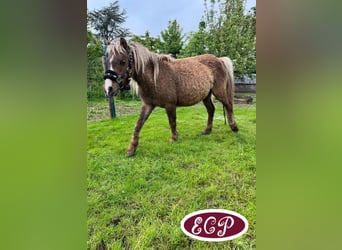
(139, 202)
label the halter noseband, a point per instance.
(112, 75)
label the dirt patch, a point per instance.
(238, 99)
(100, 110)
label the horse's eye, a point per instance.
(122, 62)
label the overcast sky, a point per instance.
(153, 15)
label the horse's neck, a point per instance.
(145, 80)
(143, 83)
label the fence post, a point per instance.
(112, 107)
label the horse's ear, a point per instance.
(123, 43)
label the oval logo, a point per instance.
(214, 225)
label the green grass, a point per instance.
(138, 202)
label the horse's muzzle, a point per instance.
(110, 88)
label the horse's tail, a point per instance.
(230, 91)
(230, 81)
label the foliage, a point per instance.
(138, 203)
(172, 38)
(152, 43)
(197, 42)
(94, 69)
(107, 22)
(226, 31)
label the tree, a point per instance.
(94, 69)
(233, 34)
(196, 42)
(172, 38)
(250, 34)
(151, 43)
(225, 30)
(107, 22)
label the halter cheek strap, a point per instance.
(130, 62)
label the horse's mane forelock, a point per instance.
(141, 57)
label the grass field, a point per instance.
(138, 202)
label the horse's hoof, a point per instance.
(130, 153)
(206, 132)
(235, 128)
(172, 140)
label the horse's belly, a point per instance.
(194, 82)
(191, 94)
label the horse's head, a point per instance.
(119, 67)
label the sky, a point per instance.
(154, 15)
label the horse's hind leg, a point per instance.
(231, 120)
(228, 105)
(211, 110)
(171, 114)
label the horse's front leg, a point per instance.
(146, 110)
(171, 114)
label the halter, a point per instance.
(112, 75)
